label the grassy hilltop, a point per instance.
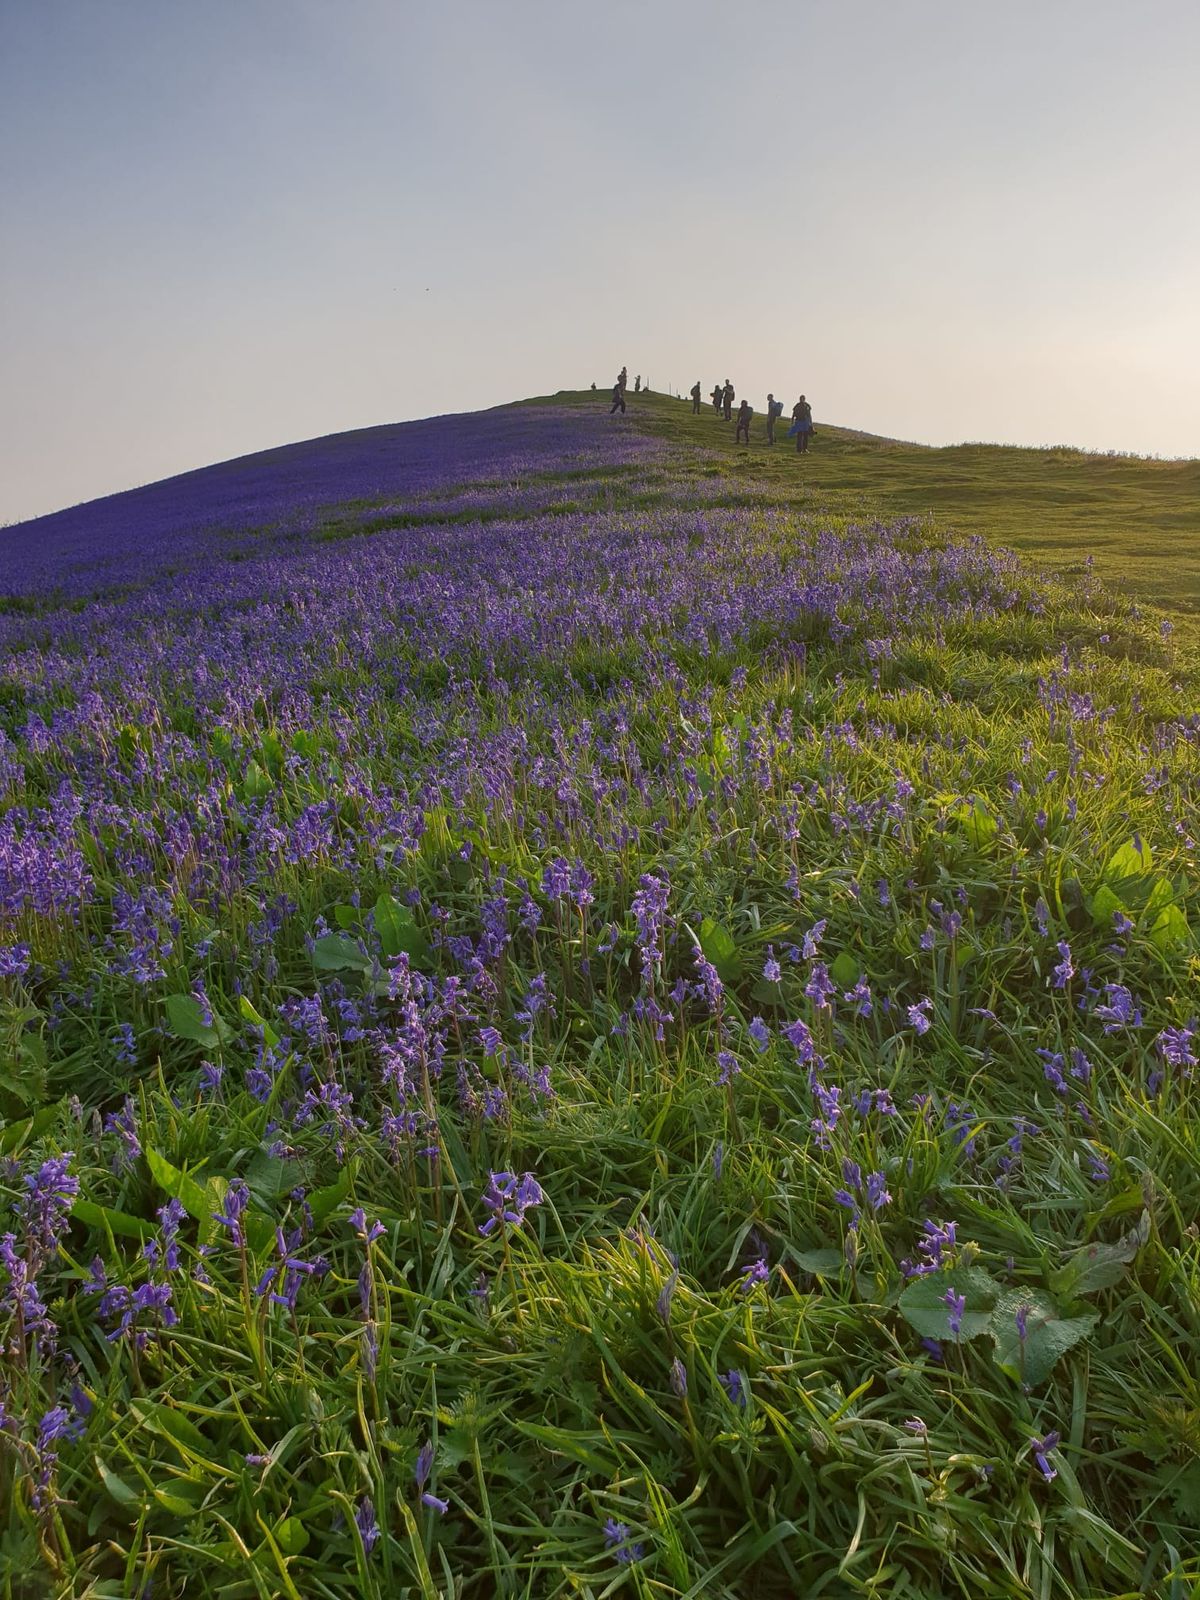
(1138, 519)
(584, 1012)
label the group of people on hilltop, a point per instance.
(618, 393)
(723, 396)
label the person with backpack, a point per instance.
(743, 422)
(802, 425)
(727, 398)
(696, 398)
(774, 410)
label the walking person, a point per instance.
(774, 407)
(743, 422)
(696, 398)
(727, 398)
(715, 397)
(623, 379)
(802, 425)
(618, 399)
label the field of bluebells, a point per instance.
(567, 1031)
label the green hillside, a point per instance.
(1139, 519)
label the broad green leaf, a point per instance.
(321, 1202)
(1168, 920)
(270, 1037)
(1132, 860)
(270, 1178)
(1099, 1266)
(976, 822)
(346, 917)
(334, 952)
(256, 782)
(16, 1134)
(923, 1302)
(1048, 1335)
(186, 1018)
(191, 1195)
(844, 970)
(123, 1493)
(821, 1263)
(291, 1535)
(170, 1423)
(104, 1217)
(1105, 905)
(719, 948)
(398, 931)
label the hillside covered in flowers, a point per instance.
(570, 1029)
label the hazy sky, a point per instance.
(227, 224)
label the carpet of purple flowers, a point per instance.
(568, 1030)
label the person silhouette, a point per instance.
(637, 384)
(618, 398)
(696, 398)
(715, 397)
(802, 425)
(727, 397)
(771, 415)
(743, 422)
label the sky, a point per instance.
(235, 224)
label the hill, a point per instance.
(576, 1019)
(1137, 520)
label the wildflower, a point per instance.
(876, 1191)
(1021, 1318)
(1041, 1451)
(508, 1198)
(679, 1378)
(760, 1033)
(710, 989)
(859, 998)
(757, 1272)
(812, 939)
(237, 1198)
(915, 1425)
(938, 1240)
(1100, 1171)
(368, 1527)
(1065, 970)
(820, 987)
(616, 1538)
(797, 1035)
(772, 971)
(49, 1195)
(734, 1385)
(926, 941)
(434, 1504)
(1122, 1011)
(14, 960)
(1174, 1045)
(918, 1016)
(730, 1067)
(957, 1304)
(367, 1233)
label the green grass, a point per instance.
(1137, 519)
(990, 769)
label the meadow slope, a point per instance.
(585, 1012)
